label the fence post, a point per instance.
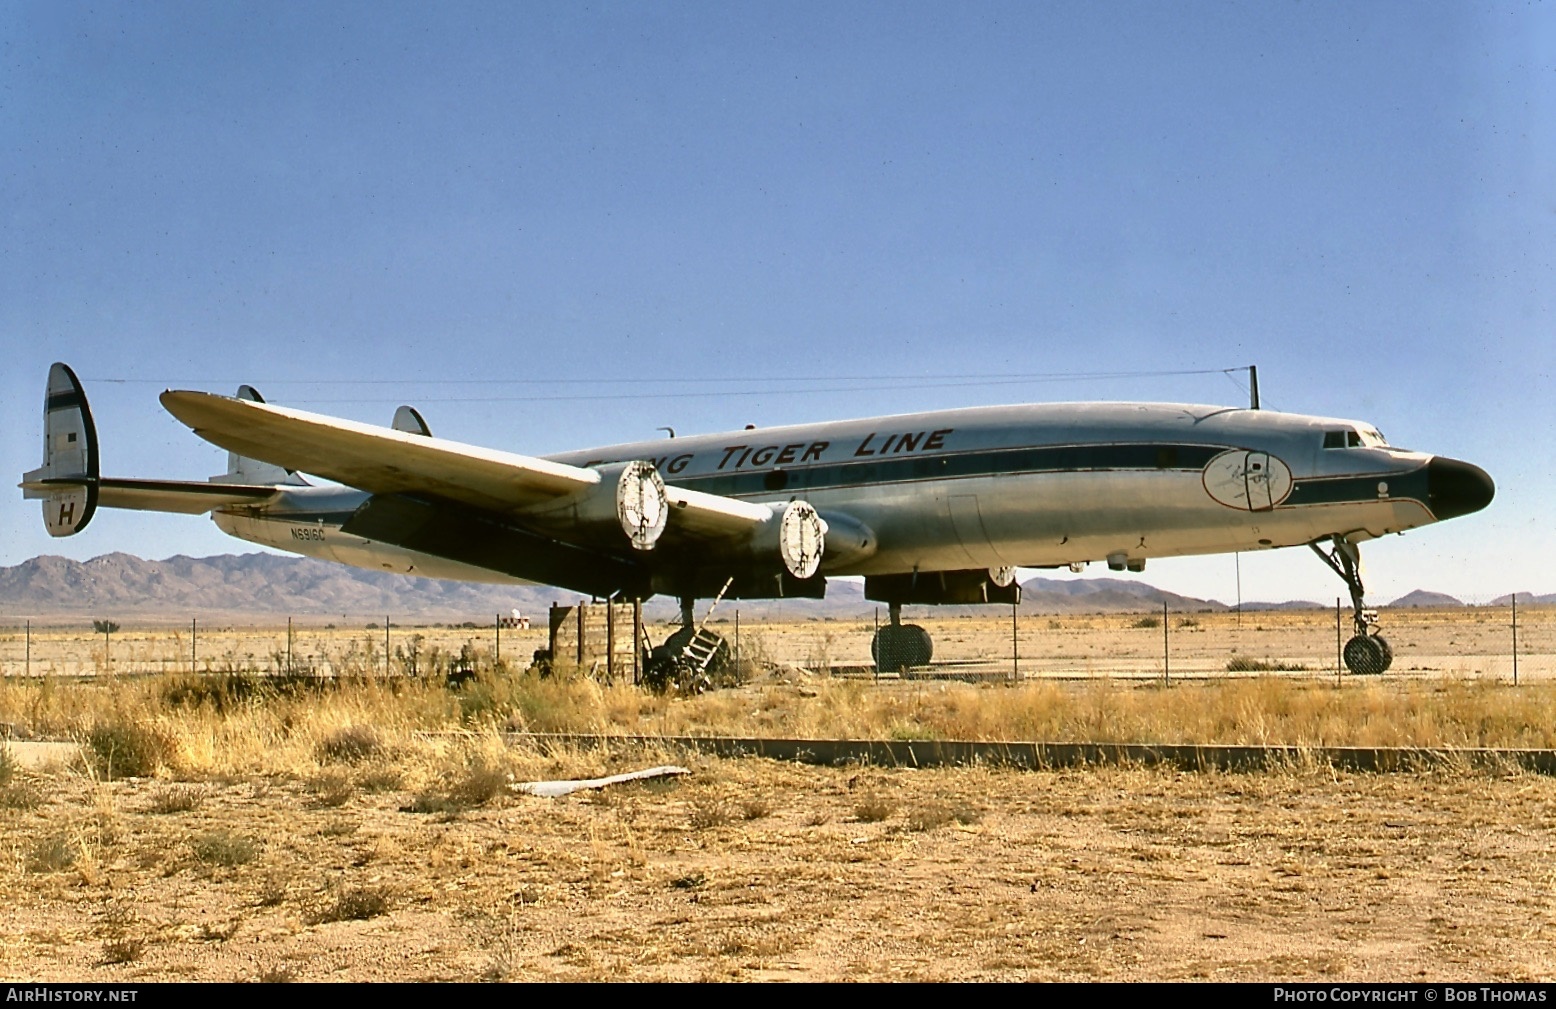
(1515, 639)
(637, 641)
(1339, 649)
(29, 648)
(1166, 649)
(1015, 648)
(610, 640)
(194, 653)
(498, 625)
(386, 644)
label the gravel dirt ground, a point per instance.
(753, 870)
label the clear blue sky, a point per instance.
(550, 226)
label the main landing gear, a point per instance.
(899, 646)
(1367, 653)
(691, 658)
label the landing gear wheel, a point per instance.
(1388, 651)
(668, 669)
(896, 647)
(1368, 655)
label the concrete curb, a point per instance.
(1033, 756)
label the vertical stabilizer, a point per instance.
(67, 481)
(242, 469)
(409, 420)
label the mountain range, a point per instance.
(121, 585)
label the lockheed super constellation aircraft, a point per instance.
(931, 508)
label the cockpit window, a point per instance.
(1366, 437)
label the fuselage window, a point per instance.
(1334, 439)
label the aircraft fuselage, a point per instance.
(1018, 486)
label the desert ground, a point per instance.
(213, 830)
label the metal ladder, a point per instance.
(704, 645)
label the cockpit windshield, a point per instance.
(1355, 437)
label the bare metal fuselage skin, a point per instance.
(1017, 486)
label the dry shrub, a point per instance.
(123, 949)
(218, 933)
(480, 783)
(177, 799)
(874, 808)
(224, 848)
(120, 945)
(477, 783)
(339, 827)
(707, 814)
(20, 794)
(52, 853)
(350, 745)
(354, 904)
(128, 749)
(929, 817)
(755, 809)
(331, 787)
(380, 778)
(272, 892)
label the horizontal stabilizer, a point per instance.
(189, 497)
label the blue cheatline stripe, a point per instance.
(305, 518)
(1152, 456)
(1343, 490)
(67, 400)
(1010, 462)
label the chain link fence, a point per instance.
(986, 643)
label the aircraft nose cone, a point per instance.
(1457, 488)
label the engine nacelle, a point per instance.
(796, 535)
(630, 496)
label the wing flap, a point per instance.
(375, 459)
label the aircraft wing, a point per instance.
(388, 461)
(376, 459)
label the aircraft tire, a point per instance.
(1388, 651)
(896, 647)
(1368, 655)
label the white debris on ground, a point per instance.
(557, 789)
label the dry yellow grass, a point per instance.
(219, 725)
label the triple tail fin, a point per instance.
(67, 482)
(71, 487)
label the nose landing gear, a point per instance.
(1367, 653)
